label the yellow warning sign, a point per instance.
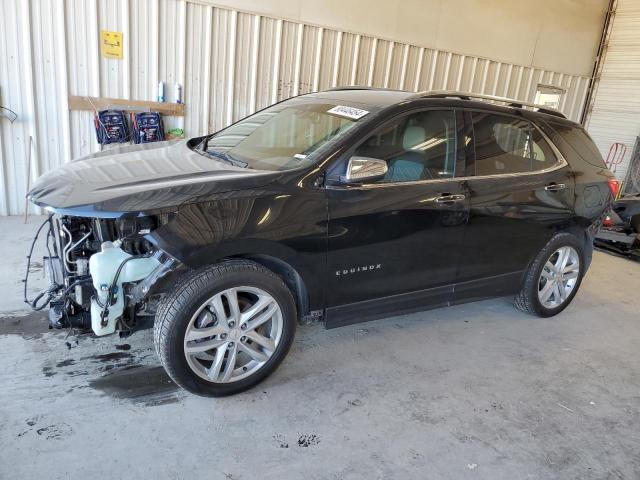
(111, 44)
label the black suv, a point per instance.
(340, 206)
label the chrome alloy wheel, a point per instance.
(233, 334)
(559, 277)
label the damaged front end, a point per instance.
(104, 273)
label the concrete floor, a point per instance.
(479, 391)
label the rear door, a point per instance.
(520, 191)
(394, 244)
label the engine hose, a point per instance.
(51, 293)
(26, 276)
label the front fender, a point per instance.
(289, 228)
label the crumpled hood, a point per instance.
(140, 178)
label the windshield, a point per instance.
(283, 136)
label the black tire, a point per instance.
(179, 306)
(527, 299)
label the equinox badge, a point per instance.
(363, 268)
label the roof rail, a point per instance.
(511, 102)
(361, 87)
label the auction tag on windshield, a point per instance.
(349, 112)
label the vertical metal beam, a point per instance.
(372, 62)
(563, 102)
(182, 52)
(354, 61)
(519, 82)
(572, 113)
(126, 50)
(507, 81)
(231, 65)
(30, 95)
(403, 68)
(206, 77)
(540, 80)
(336, 60)
(253, 75)
(298, 60)
(593, 81)
(316, 67)
(61, 72)
(447, 69)
(154, 63)
(95, 59)
(434, 66)
(582, 105)
(387, 67)
(416, 83)
(485, 74)
(275, 73)
(460, 72)
(474, 69)
(527, 95)
(494, 89)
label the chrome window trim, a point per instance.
(561, 163)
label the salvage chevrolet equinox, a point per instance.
(340, 206)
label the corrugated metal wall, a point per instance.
(615, 107)
(230, 64)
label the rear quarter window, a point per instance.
(580, 141)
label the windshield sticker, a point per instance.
(349, 112)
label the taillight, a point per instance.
(607, 222)
(614, 186)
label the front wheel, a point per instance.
(553, 278)
(225, 328)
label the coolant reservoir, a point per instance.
(103, 267)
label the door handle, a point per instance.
(555, 187)
(450, 198)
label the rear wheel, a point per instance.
(225, 328)
(553, 278)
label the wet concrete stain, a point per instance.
(66, 363)
(148, 385)
(109, 357)
(31, 325)
(124, 346)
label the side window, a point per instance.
(419, 146)
(541, 152)
(508, 145)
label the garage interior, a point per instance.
(473, 391)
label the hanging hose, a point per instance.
(33, 304)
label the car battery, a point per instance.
(111, 127)
(147, 127)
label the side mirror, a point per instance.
(364, 169)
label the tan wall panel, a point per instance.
(548, 34)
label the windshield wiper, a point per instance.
(226, 158)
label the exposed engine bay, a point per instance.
(101, 272)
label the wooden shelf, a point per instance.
(102, 103)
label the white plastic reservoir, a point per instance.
(103, 267)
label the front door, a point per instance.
(393, 244)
